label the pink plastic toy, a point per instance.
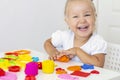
(31, 69)
(9, 76)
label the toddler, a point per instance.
(79, 42)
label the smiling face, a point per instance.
(80, 16)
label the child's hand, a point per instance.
(60, 54)
(70, 52)
(64, 58)
(54, 56)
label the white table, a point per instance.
(104, 73)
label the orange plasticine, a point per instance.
(64, 58)
(74, 68)
(61, 72)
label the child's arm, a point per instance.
(50, 49)
(97, 59)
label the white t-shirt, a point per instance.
(64, 40)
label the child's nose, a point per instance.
(82, 20)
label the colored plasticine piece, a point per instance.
(74, 68)
(67, 77)
(60, 71)
(64, 58)
(9, 76)
(39, 65)
(14, 68)
(11, 57)
(21, 63)
(87, 66)
(21, 52)
(12, 62)
(4, 63)
(35, 59)
(25, 57)
(31, 69)
(11, 53)
(80, 73)
(30, 78)
(95, 72)
(2, 72)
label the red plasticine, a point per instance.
(95, 72)
(30, 78)
(12, 53)
(14, 68)
(39, 65)
(2, 72)
(80, 73)
(58, 69)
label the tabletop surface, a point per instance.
(104, 73)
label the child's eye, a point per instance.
(75, 16)
(87, 14)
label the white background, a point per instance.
(109, 20)
(28, 23)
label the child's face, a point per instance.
(80, 16)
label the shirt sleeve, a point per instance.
(99, 46)
(56, 38)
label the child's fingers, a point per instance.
(53, 57)
(59, 55)
(70, 56)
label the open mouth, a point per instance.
(82, 28)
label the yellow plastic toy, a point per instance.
(48, 66)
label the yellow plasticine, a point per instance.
(11, 56)
(48, 66)
(20, 63)
(12, 62)
(21, 59)
(4, 64)
(25, 57)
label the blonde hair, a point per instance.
(69, 1)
